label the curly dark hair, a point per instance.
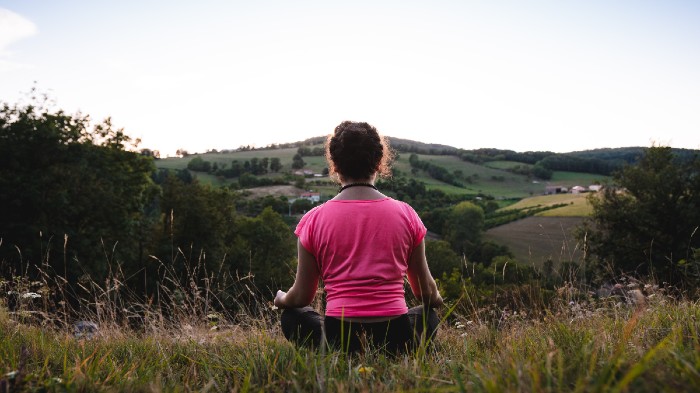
(355, 150)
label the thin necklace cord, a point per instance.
(356, 185)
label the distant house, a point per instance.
(305, 172)
(578, 189)
(549, 190)
(311, 196)
(595, 187)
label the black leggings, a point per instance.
(305, 327)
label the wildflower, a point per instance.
(30, 295)
(364, 369)
(459, 325)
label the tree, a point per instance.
(198, 164)
(647, 225)
(275, 164)
(464, 227)
(297, 161)
(267, 250)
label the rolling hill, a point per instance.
(478, 178)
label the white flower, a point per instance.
(30, 295)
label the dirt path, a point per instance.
(286, 190)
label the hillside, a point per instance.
(501, 179)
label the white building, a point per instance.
(311, 196)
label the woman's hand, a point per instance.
(436, 301)
(279, 298)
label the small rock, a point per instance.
(85, 329)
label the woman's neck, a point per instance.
(358, 189)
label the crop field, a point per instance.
(577, 205)
(533, 240)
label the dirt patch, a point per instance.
(286, 190)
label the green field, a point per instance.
(576, 178)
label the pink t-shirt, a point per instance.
(362, 248)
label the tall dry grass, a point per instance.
(187, 338)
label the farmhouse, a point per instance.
(578, 189)
(549, 190)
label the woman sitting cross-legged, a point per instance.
(361, 244)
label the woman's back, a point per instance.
(362, 248)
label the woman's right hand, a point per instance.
(279, 298)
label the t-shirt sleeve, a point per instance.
(416, 224)
(304, 231)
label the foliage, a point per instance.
(441, 257)
(298, 161)
(202, 223)
(64, 182)
(572, 163)
(464, 227)
(198, 164)
(647, 226)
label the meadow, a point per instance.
(578, 343)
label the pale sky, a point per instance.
(521, 75)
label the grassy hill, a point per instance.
(477, 178)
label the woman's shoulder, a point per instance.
(401, 204)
